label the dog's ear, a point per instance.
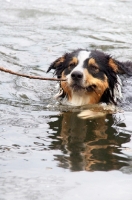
(116, 66)
(120, 67)
(57, 63)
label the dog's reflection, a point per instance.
(76, 129)
(89, 144)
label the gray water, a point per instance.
(46, 151)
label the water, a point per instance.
(46, 151)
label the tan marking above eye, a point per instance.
(73, 62)
(92, 63)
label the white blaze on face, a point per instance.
(82, 56)
(79, 98)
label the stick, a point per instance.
(28, 76)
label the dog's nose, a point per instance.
(77, 75)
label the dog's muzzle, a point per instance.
(77, 76)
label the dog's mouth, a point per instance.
(76, 87)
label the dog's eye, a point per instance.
(95, 68)
(72, 65)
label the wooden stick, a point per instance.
(28, 76)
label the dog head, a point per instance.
(91, 77)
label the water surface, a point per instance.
(46, 150)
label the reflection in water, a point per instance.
(90, 145)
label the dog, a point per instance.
(91, 77)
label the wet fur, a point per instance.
(91, 77)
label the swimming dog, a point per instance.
(90, 77)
